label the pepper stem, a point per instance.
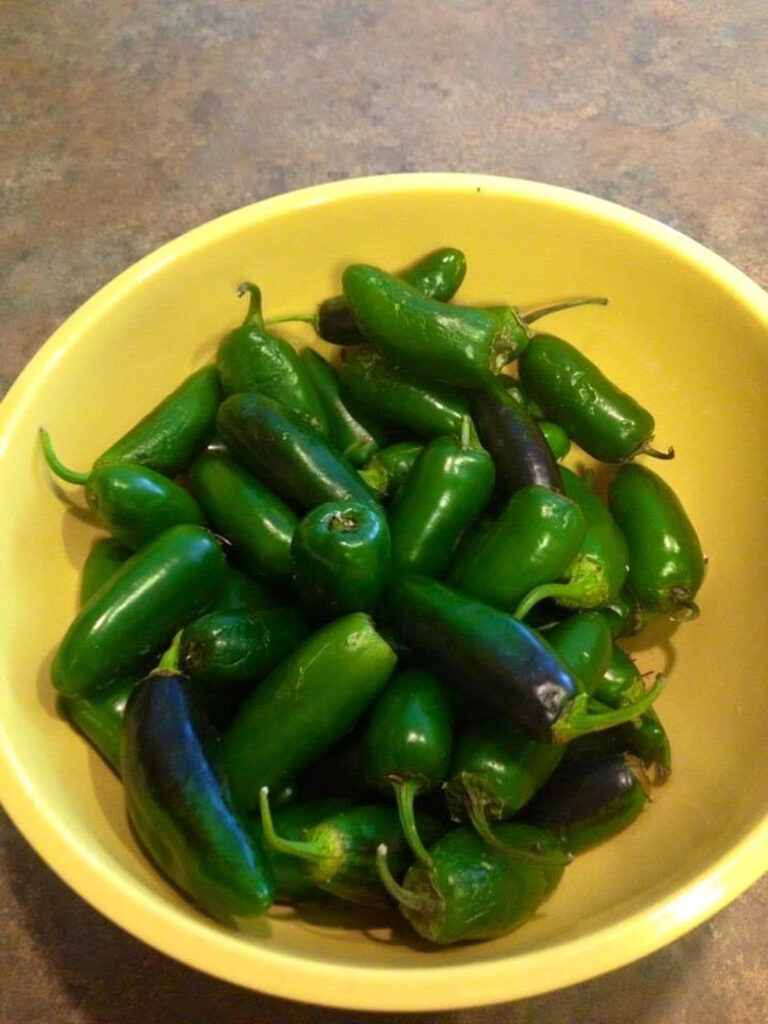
(647, 449)
(290, 318)
(376, 476)
(290, 846)
(486, 833)
(254, 317)
(405, 793)
(57, 467)
(556, 307)
(587, 588)
(404, 896)
(579, 721)
(170, 660)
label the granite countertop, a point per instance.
(127, 124)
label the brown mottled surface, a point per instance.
(126, 124)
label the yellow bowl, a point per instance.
(685, 332)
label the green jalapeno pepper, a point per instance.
(104, 559)
(666, 564)
(588, 804)
(603, 420)
(290, 458)
(626, 616)
(456, 344)
(399, 398)
(533, 542)
(305, 706)
(496, 770)
(100, 717)
(178, 803)
(251, 359)
(134, 615)
(557, 439)
(438, 275)
(292, 881)
(497, 661)
(445, 492)
(406, 745)
(599, 570)
(515, 440)
(239, 591)
(350, 431)
(168, 437)
(341, 556)
(621, 681)
(340, 853)
(470, 890)
(388, 469)
(259, 525)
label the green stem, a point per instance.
(555, 590)
(403, 896)
(376, 477)
(556, 307)
(170, 660)
(291, 846)
(254, 317)
(290, 318)
(579, 721)
(405, 793)
(486, 833)
(61, 471)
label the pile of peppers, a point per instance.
(354, 631)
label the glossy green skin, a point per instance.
(442, 496)
(398, 397)
(100, 717)
(620, 676)
(473, 891)
(534, 541)
(251, 359)
(341, 557)
(169, 437)
(348, 433)
(515, 391)
(456, 345)
(178, 803)
(292, 884)
(104, 559)
(495, 769)
(136, 504)
(295, 716)
(136, 613)
(603, 420)
(438, 275)
(626, 616)
(291, 459)
(239, 591)
(666, 564)
(234, 650)
(348, 843)
(409, 733)
(388, 469)
(556, 437)
(259, 525)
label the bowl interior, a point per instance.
(685, 340)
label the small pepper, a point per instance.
(136, 613)
(597, 574)
(603, 420)
(100, 717)
(515, 440)
(350, 430)
(104, 559)
(258, 524)
(251, 359)
(666, 564)
(294, 716)
(341, 554)
(398, 397)
(290, 458)
(178, 803)
(456, 344)
(445, 492)
(168, 437)
(388, 469)
(406, 745)
(340, 852)
(532, 543)
(470, 890)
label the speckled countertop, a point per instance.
(127, 123)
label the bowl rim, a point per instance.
(210, 948)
